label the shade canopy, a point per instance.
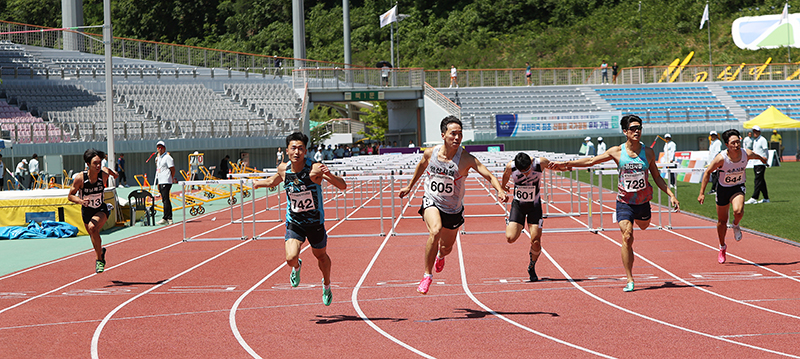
(772, 118)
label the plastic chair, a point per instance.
(138, 202)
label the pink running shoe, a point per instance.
(721, 257)
(438, 265)
(425, 284)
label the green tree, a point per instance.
(376, 122)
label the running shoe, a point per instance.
(294, 278)
(425, 284)
(737, 232)
(162, 222)
(327, 296)
(438, 264)
(628, 287)
(765, 200)
(751, 201)
(100, 266)
(721, 256)
(532, 272)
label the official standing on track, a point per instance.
(731, 164)
(634, 160)
(305, 216)
(526, 175)
(714, 148)
(87, 190)
(165, 177)
(761, 148)
(446, 167)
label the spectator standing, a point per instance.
(278, 63)
(528, 73)
(714, 148)
(123, 179)
(776, 142)
(223, 168)
(760, 147)
(601, 146)
(194, 166)
(385, 75)
(747, 143)
(587, 148)
(669, 157)
(318, 155)
(339, 151)
(394, 144)
(614, 73)
(33, 168)
(411, 144)
(165, 177)
(279, 158)
(604, 71)
(20, 173)
(453, 76)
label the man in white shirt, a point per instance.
(601, 146)
(33, 168)
(2, 173)
(453, 76)
(747, 142)
(165, 177)
(713, 150)
(20, 172)
(761, 148)
(669, 156)
(319, 156)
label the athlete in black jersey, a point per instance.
(526, 175)
(302, 180)
(87, 190)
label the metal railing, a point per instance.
(442, 101)
(357, 78)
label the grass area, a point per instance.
(780, 218)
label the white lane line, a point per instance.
(235, 307)
(518, 325)
(99, 329)
(579, 287)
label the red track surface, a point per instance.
(161, 297)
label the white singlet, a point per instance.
(444, 186)
(732, 173)
(526, 186)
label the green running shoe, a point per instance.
(294, 278)
(100, 266)
(327, 296)
(628, 287)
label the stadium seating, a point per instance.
(666, 103)
(757, 98)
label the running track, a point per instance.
(161, 297)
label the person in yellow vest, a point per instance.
(776, 138)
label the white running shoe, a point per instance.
(162, 222)
(765, 200)
(737, 232)
(751, 201)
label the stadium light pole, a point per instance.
(710, 63)
(107, 39)
(400, 17)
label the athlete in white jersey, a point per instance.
(442, 207)
(526, 175)
(731, 164)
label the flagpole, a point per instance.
(391, 41)
(710, 63)
(788, 34)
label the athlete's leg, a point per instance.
(324, 264)
(737, 204)
(626, 227)
(513, 230)
(292, 252)
(434, 223)
(447, 237)
(93, 227)
(536, 241)
(722, 221)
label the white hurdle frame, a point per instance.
(267, 209)
(230, 184)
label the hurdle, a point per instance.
(230, 184)
(267, 209)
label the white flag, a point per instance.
(785, 14)
(389, 16)
(705, 17)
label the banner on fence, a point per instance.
(583, 123)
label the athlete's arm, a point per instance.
(544, 162)
(273, 180)
(421, 166)
(476, 163)
(507, 175)
(753, 156)
(109, 172)
(585, 162)
(662, 185)
(77, 185)
(715, 164)
(320, 171)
